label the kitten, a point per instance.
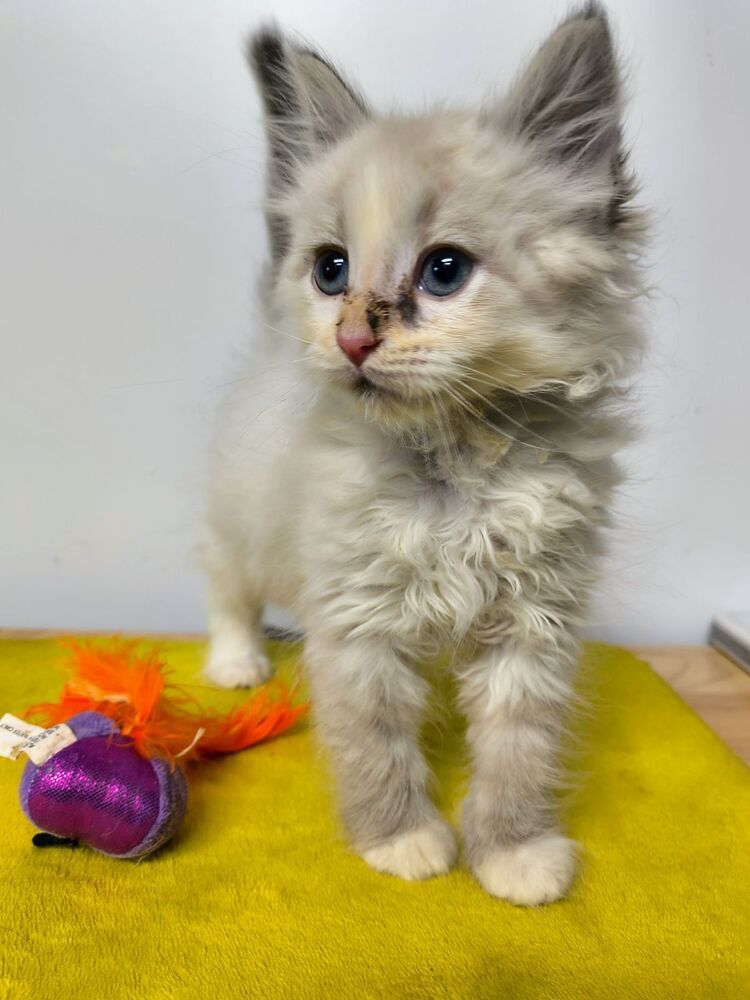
(422, 459)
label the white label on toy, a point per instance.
(17, 736)
(42, 746)
(14, 733)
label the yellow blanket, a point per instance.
(259, 895)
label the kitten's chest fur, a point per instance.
(430, 547)
(444, 548)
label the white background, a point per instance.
(131, 169)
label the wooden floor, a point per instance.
(710, 683)
(717, 689)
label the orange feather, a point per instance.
(131, 687)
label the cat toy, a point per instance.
(107, 768)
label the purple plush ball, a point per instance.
(99, 790)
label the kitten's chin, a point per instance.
(384, 404)
(368, 389)
(409, 407)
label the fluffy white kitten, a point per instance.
(421, 458)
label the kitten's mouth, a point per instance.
(365, 388)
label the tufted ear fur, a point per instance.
(568, 99)
(308, 107)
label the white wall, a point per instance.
(131, 166)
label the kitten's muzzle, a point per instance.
(357, 341)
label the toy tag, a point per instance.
(18, 736)
(14, 734)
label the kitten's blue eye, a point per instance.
(331, 271)
(445, 270)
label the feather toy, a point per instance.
(107, 766)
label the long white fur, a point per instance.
(460, 506)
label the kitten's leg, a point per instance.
(515, 699)
(236, 657)
(368, 705)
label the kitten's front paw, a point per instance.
(428, 850)
(238, 671)
(533, 872)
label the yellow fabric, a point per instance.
(259, 896)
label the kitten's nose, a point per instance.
(356, 342)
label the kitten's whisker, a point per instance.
(275, 403)
(501, 385)
(450, 456)
(262, 373)
(467, 408)
(426, 450)
(501, 430)
(537, 398)
(525, 427)
(221, 154)
(283, 333)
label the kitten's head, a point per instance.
(446, 257)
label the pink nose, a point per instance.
(356, 342)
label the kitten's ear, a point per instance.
(568, 99)
(308, 107)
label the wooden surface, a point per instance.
(716, 689)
